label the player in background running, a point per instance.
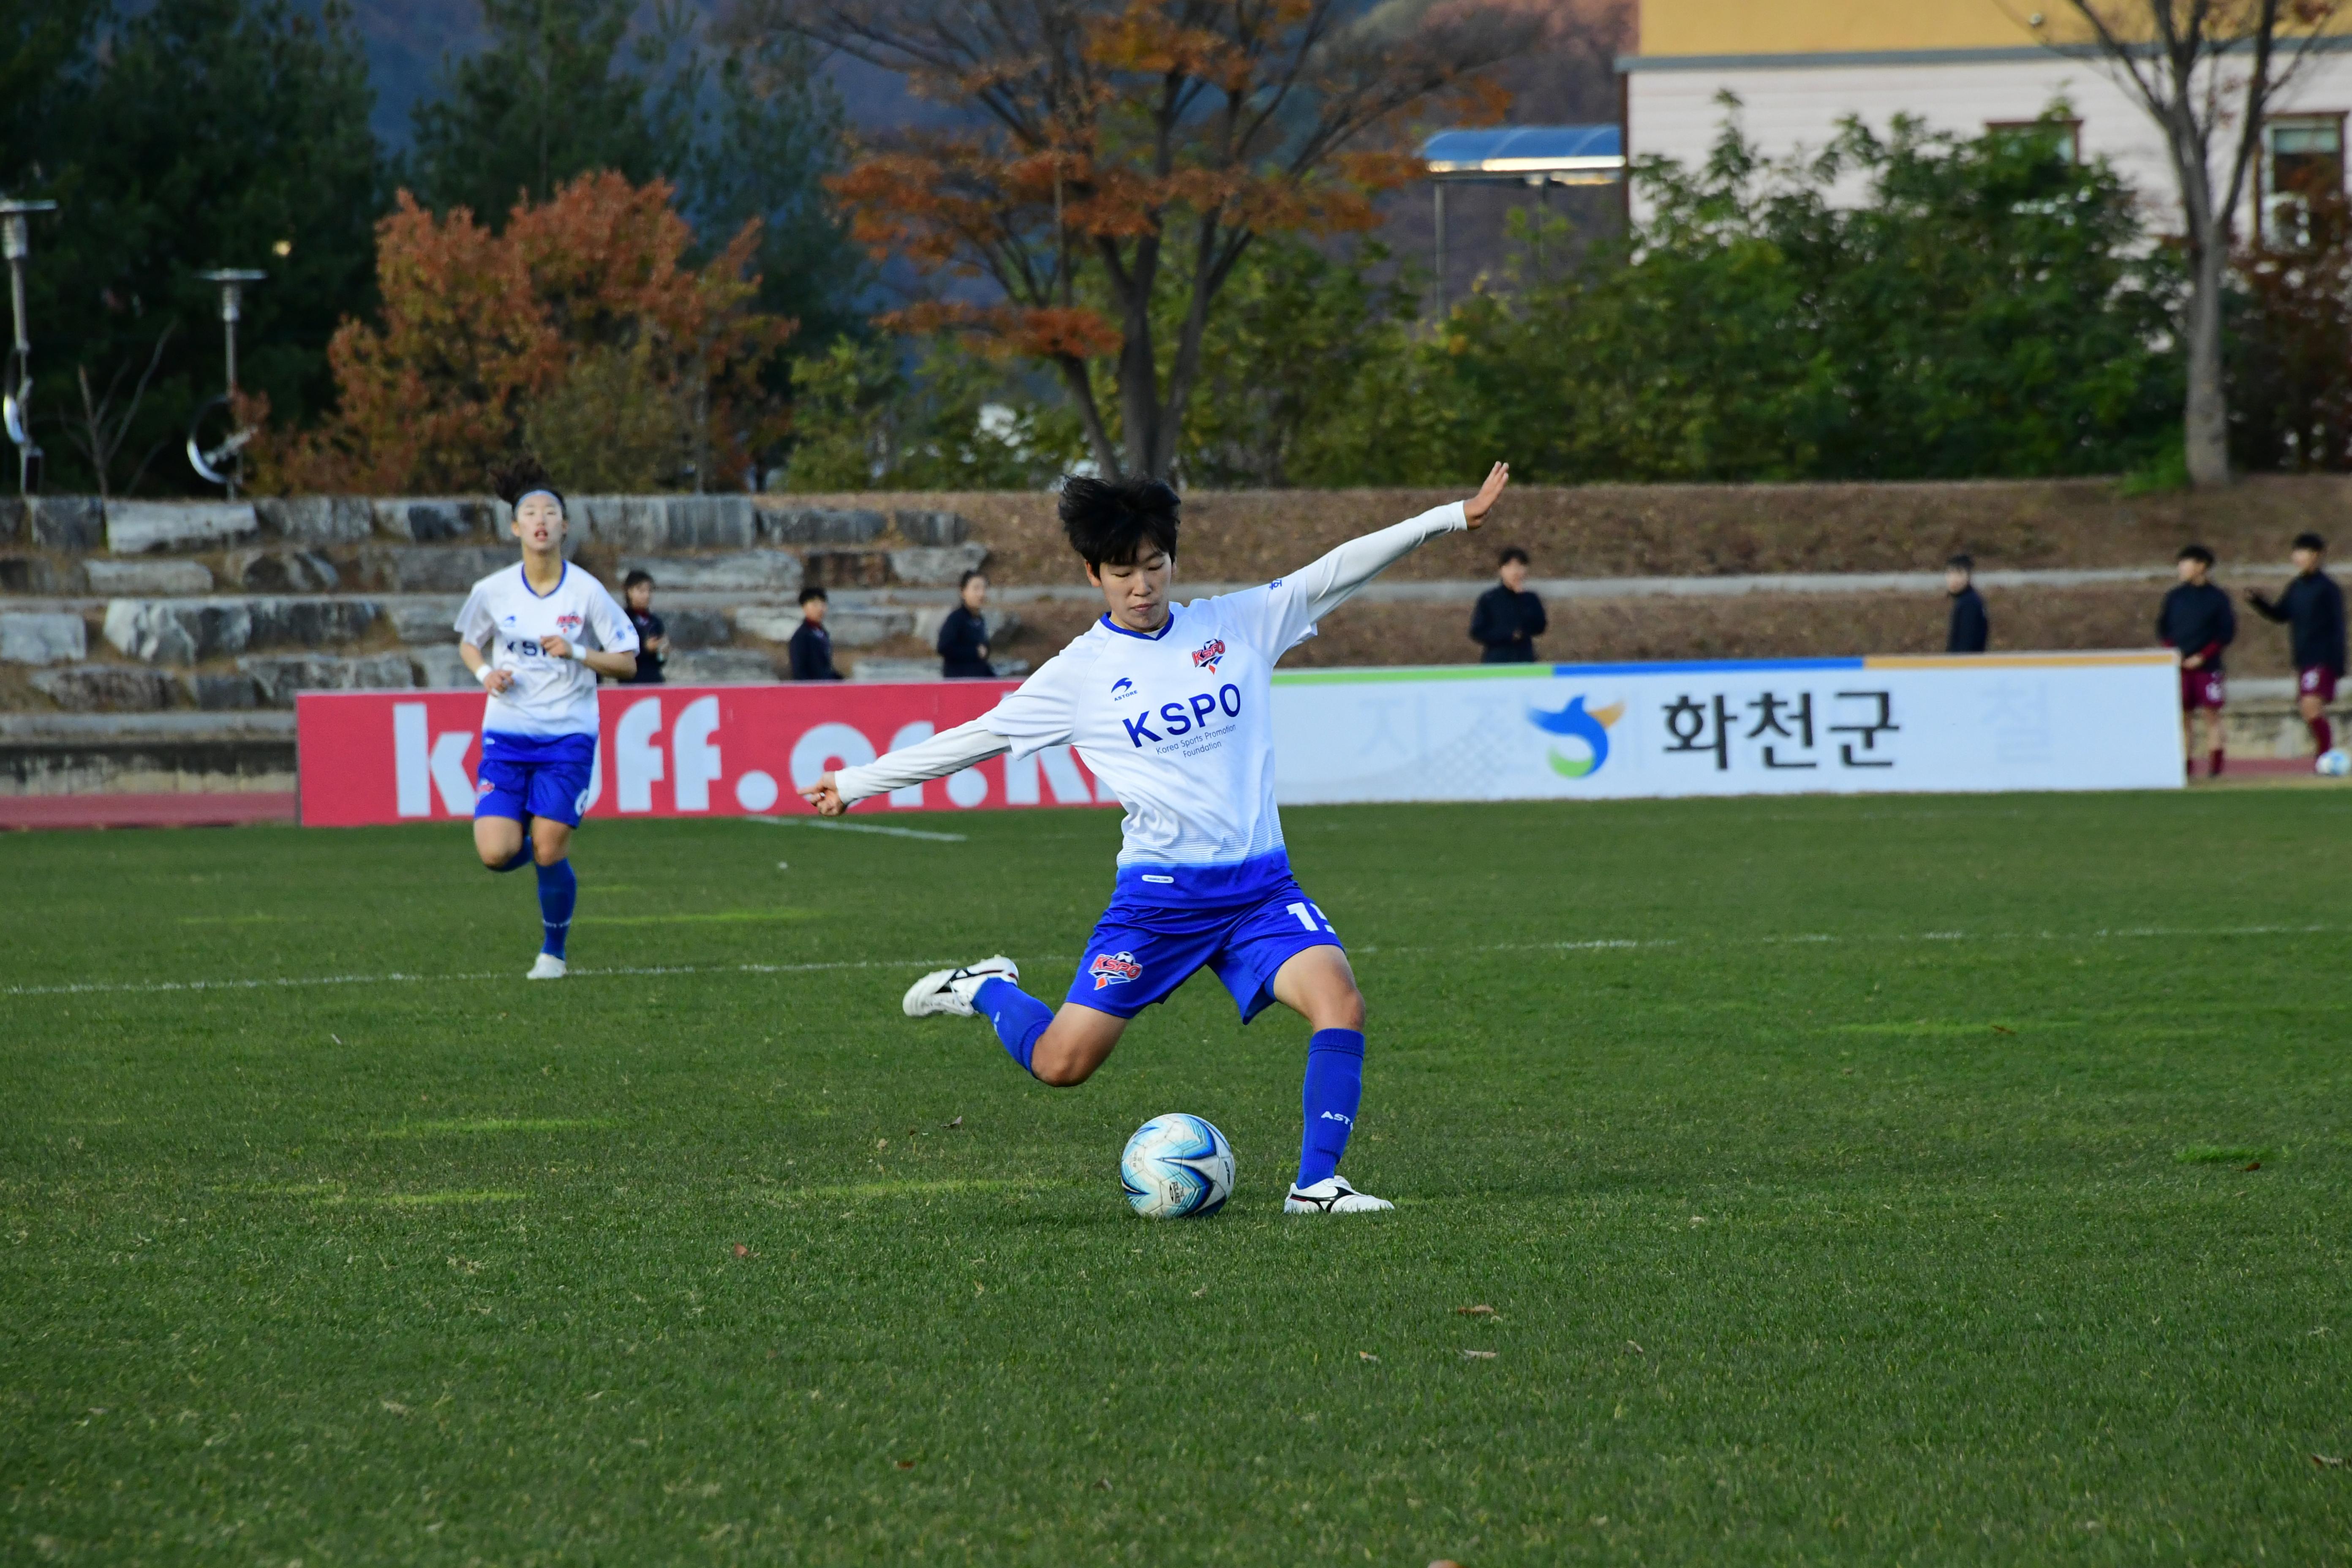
(2313, 608)
(1170, 705)
(2196, 618)
(536, 636)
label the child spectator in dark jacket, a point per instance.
(1508, 618)
(812, 645)
(963, 635)
(2197, 619)
(2313, 608)
(653, 638)
(1971, 629)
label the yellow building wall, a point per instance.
(1839, 27)
(1808, 27)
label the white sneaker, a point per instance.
(1332, 1194)
(549, 967)
(949, 990)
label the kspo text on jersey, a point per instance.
(1186, 718)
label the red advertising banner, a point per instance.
(368, 757)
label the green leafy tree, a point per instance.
(178, 137)
(743, 128)
(551, 98)
(1989, 307)
(762, 132)
(956, 422)
(1296, 349)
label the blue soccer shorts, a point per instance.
(534, 775)
(1140, 952)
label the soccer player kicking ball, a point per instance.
(536, 636)
(1169, 704)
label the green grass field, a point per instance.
(1850, 1180)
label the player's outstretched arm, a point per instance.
(949, 752)
(1328, 583)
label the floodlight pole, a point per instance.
(232, 281)
(16, 244)
(1438, 186)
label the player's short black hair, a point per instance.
(812, 592)
(2195, 553)
(1963, 561)
(518, 477)
(1119, 521)
(2310, 541)
(634, 578)
(965, 581)
(1512, 553)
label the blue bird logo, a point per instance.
(1592, 728)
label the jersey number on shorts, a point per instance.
(1308, 914)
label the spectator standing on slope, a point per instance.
(2313, 608)
(2196, 618)
(812, 645)
(653, 638)
(1508, 618)
(963, 635)
(1971, 630)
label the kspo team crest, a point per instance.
(1114, 969)
(568, 624)
(1205, 657)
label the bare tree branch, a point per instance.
(2194, 68)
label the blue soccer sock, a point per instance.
(1019, 1018)
(1335, 1086)
(559, 889)
(521, 858)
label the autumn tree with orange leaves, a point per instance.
(581, 306)
(1120, 150)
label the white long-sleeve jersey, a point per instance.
(1177, 722)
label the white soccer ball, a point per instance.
(2334, 765)
(1177, 1167)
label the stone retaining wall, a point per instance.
(145, 605)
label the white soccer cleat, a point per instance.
(949, 991)
(1332, 1194)
(549, 967)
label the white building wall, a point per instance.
(1788, 109)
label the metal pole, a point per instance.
(16, 244)
(229, 313)
(232, 281)
(1439, 187)
(1543, 200)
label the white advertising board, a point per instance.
(1996, 721)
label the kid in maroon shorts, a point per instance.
(2313, 608)
(2197, 619)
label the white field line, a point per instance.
(2108, 933)
(397, 978)
(1370, 950)
(831, 826)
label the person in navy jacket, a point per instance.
(1970, 629)
(2313, 608)
(1509, 616)
(812, 645)
(963, 635)
(2196, 618)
